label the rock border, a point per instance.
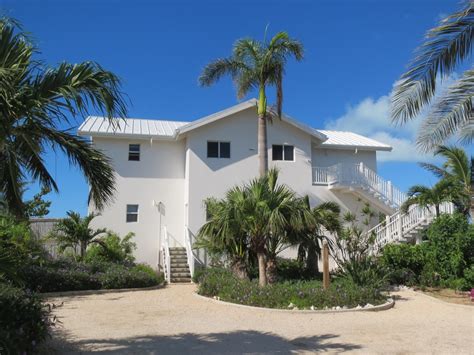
(97, 292)
(381, 307)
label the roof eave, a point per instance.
(126, 136)
(358, 147)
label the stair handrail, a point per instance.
(188, 243)
(165, 250)
(395, 226)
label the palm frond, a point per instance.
(444, 47)
(449, 114)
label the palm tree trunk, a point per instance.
(83, 249)
(437, 210)
(239, 269)
(312, 260)
(271, 269)
(262, 132)
(262, 267)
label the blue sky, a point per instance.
(355, 51)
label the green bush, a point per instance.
(304, 294)
(364, 272)
(137, 276)
(23, 320)
(113, 249)
(404, 263)
(69, 275)
(469, 276)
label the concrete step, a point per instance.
(180, 275)
(181, 280)
(178, 258)
(179, 269)
(178, 264)
(177, 252)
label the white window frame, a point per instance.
(134, 152)
(283, 152)
(127, 213)
(218, 149)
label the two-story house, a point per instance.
(166, 169)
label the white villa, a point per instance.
(166, 169)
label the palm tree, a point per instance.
(425, 197)
(224, 232)
(309, 240)
(257, 65)
(445, 46)
(35, 101)
(457, 169)
(270, 211)
(74, 232)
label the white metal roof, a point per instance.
(344, 140)
(162, 129)
(130, 127)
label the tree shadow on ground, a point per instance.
(236, 342)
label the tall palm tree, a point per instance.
(224, 232)
(445, 46)
(257, 65)
(309, 240)
(35, 101)
(75, 232)
(425, 197)
(456, 168)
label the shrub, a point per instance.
(23, 320)
(118, 276)
(113, 249)
(404, 263)
(303, 294)
(450, 247)
(364, 272)
(469, 276)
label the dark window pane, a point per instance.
(212, 150)
(134, 147)
(277, 152)
(132, 208)
(134, 152)
(225, 150)
(132, 217)
(289, 152)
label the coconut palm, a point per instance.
(257, 65)
(457, 169)
(36, 101)
(75, 232)
(444, 48)
(426, 197)
(224, 233)
(309, 240)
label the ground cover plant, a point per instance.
(222, 284)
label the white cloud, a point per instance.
(371, 118)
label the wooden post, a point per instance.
(325, 265)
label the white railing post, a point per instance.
(189, 251)
(390, 192)
(400, 227)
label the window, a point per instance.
(283, 152)
(134, 152)
(218, 149)
(132, 213)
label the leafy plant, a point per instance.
(24, 321)
(75, 232)
(113, 249)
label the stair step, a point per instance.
(180, 275)
(179, 269)
(180, 279)
(177, 264)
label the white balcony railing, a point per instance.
(359, 175)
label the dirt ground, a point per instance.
(450, 296)
(174, 320)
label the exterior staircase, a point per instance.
(398, 227)
(179, 268)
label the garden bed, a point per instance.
(310, 295)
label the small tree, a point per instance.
(75, 232)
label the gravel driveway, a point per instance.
(174, 321)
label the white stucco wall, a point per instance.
(159, 176)
(179, 174)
